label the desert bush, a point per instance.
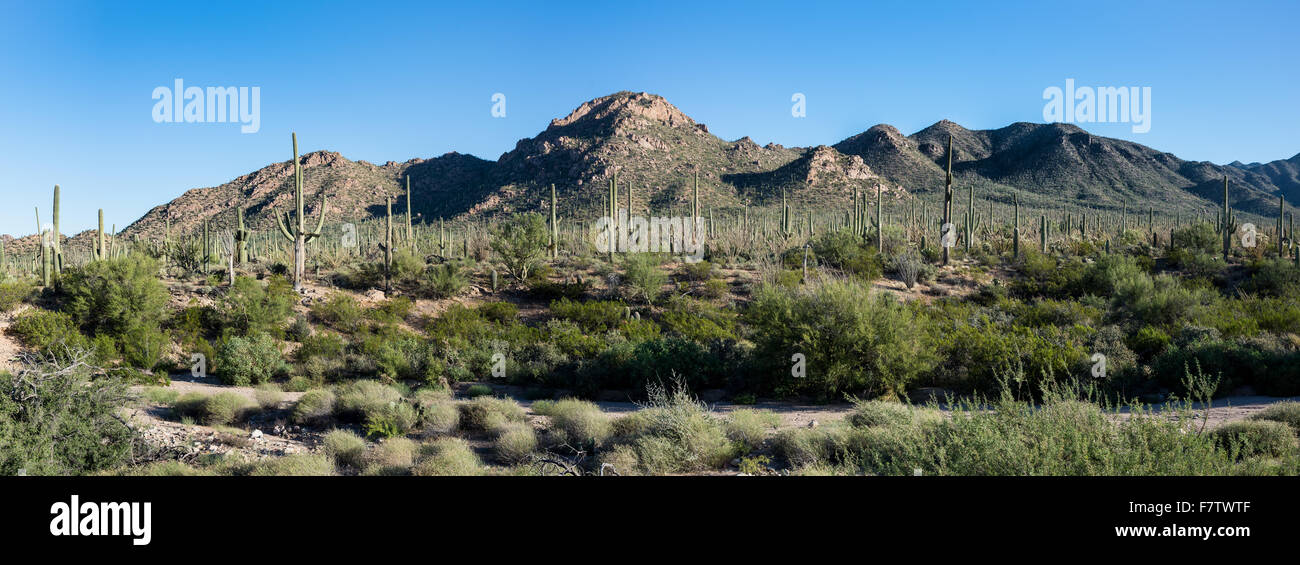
(57, 419)
(714, 289)
(679, 434)
(515, 442)
(268, 396)
(577, 423)
(114, 296)
(519, 243)
(314, 407)
(252, 360)
(345, 448)
(475, 391)
(748, 427)
(13, 293)
(442, 281)
(1287, 412)
(392, 456)
(340, 311)
(843, 250)
(43, 329)
(358, 398)
(487, 414)
(296, 465)
(1249, 438)
(390, 420)
(216, 409)
(644, 276)
(856, 342)
(251, 307)
(592, 315)
(440, 417)
(908, 265)
(322, 344)
(697, 271)
(448, 457)
(498, 312)
(1273, 277)
(879, 413)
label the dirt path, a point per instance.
(9, 348)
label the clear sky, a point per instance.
(384, 81)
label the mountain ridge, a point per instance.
(657, 150)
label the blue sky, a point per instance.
(384, 81)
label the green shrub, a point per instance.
(442, 281)
(42, 330)
(392, 456)
(697, 271)
(748, 427)
(850, 340)
(592, 315)
(644, 276)
(251, 307)
(57, 419)
(322, 344)
(268, 396)
(679, 434)
(1286, 412)
(577, 423)
(340, 311)
(475, 391)
(498, 312)
(448, 457)
(714, 289)
(440, 417)
(879, 413)
(345, 448)
(314, 407)
(520, 243)
(213, 410)
(13, 293)
(843, 250)
(358, 398)
(487, 414)
(1249, 438)
(252, 360)
(296, 465)
(390, 420)
(114, 296)
(515, 442)
(391, 311)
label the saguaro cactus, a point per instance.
(56, 260)
(241, 237)
(101, 251)
(1227, 222)
(555, 230)
(1015, 229)
(947, 202)
(880, 218)
(387, 245)
(296, 230)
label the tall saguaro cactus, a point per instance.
(555, 230)
(57, 258)
(947, 203)
(387, 245)
(295, 230)
(1227, 222)
(410, 232)
(1015, 229)
(241, 237)
(101, 251)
